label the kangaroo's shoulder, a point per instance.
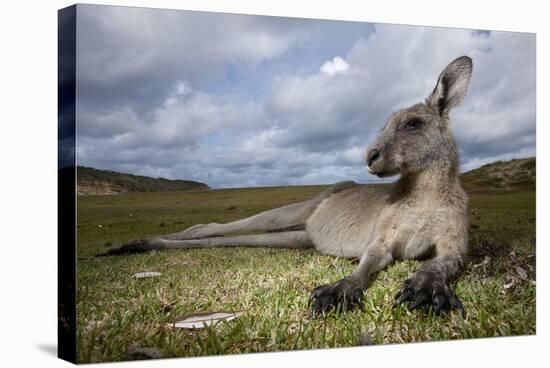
(349, 189)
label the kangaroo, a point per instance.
(423, 215)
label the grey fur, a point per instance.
(423, 214)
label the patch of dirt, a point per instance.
(485, 248)
(490, 255)
(98, 187)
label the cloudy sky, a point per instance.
(233, 100)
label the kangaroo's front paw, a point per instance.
(427, 289)
(136, 246)
(343, 295)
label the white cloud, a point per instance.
(132, 56)
(183, 88)
(335, 66)
(127, 41)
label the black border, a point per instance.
(66, 176)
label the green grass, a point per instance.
(115, 311)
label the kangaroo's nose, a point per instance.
(372, 156)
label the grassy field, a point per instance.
(116, 312)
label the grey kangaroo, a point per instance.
(423, 215)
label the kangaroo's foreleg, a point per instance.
(287, 239)
(429, 285)
(348, 292)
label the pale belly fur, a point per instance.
(346, 223)
(342, 224)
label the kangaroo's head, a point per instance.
(419, 137)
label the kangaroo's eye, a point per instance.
(413, 124)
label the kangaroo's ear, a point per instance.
(451, 86)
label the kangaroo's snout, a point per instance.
(372, 155)
(372, 158)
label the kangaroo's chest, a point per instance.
(408, 229)
(346, 224)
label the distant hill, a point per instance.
(94, 181)
(499, 175)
